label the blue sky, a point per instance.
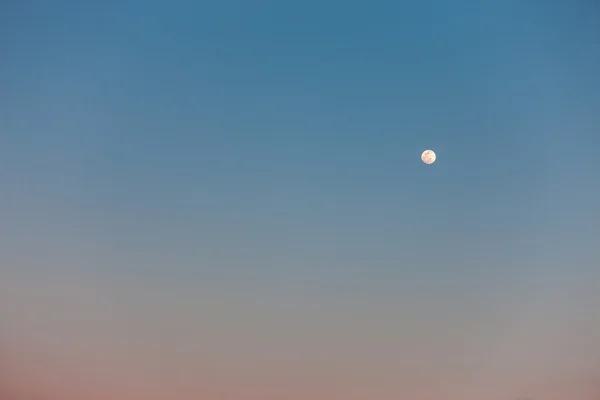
(277, 145)
(310, 115)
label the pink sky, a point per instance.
(78, 340)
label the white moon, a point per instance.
(428, 157)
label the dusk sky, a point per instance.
(225, 200)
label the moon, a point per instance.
(428, 157)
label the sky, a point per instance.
(225, 200)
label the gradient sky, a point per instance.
(225, 200)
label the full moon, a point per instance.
(428, 157)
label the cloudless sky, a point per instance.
(262, 159)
